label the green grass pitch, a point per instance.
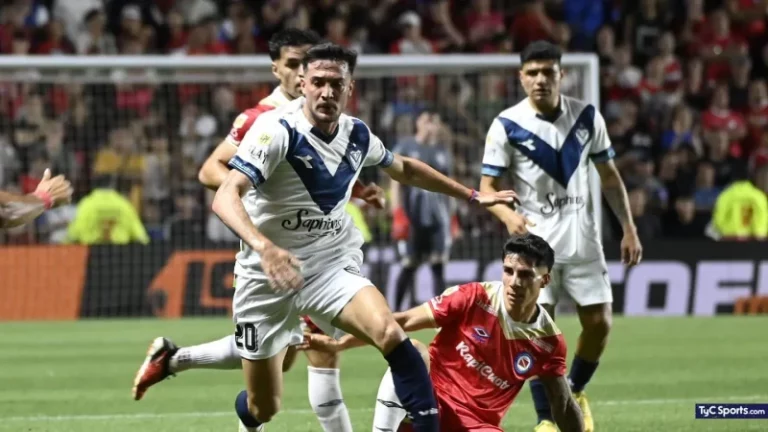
(76, 377)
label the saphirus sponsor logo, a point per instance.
(310, 225)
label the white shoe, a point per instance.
(244, 428)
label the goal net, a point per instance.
(141, 127)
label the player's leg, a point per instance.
(439, 252)
(548, 299)
(590, 288)
(264, 389)
(324, 384)
(410, 252)
(351, 303)
(389, 412)
(165, 359)
(368, 317)
(265, 326)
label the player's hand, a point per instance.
(491, 199)
(58, 189)
(631, 249)
(282, 269)
(319, 342)
(373, 195)
(518, 224)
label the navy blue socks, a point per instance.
(581, 372)
(540, 401)
(413, 386)
(241, 407)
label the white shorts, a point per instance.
(586, 283)
(266, 322)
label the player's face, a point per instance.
(522, 283)
(327, 85)
(287, 69)
(541, 81)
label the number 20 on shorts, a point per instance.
(245, 337)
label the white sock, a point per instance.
(220, 354)
(389, 411)
(327, 401)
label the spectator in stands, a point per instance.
(123, 162)
(62, 159)
(483, 23)
(532, 23)
(683, 221)
(741, 210)
(412, 42)
(186, 227)
(648, 224)
(94, 39)
(105, 216)
(29, 128)
(53, 40)
(74, 13)
(706, 191)
(157, 174)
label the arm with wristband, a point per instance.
(17, 210)
(413, 172)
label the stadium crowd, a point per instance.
(682, 87)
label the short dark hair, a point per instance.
(541, 50)
(333, 52)
(531, 248)
(291, 37)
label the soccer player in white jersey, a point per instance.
(547, 141)
(164, 358)
(302, 253)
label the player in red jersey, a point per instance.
(493, 337)
(164, 358)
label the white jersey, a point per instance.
(549, 163)
(303, 180)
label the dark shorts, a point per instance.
(426, 244)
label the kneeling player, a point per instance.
(493, 337)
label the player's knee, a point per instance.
(598, 325)
(263, 408)
(423, 350)
(389, 335)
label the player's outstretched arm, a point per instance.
(616, 194)
(565, 409)
(413, 319)
(215, 168)
(17, 210)
(413, 172)
(516, 223)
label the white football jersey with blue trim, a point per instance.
(548, 159)
(302, 182)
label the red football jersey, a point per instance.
(245, 120)
(480, 358)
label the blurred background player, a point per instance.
(295, 229)
(286, 49)
(422, 219)
(495, 328)
(547, 140)
(17, 210)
